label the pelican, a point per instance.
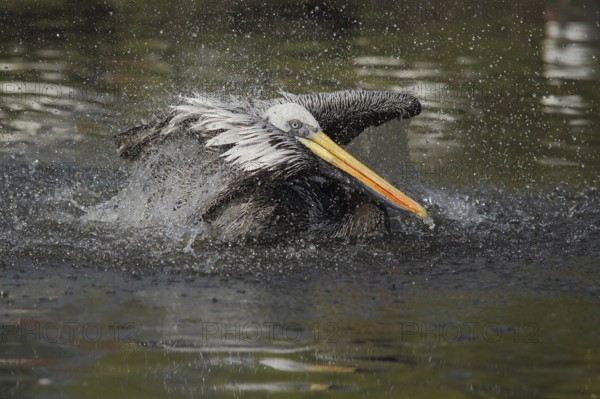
(259, 167)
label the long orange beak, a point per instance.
(326, 149)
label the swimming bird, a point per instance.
(265, 167)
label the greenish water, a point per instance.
(499, 300)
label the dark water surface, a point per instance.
(500, 299)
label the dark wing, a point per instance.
(134, 142)
(343, 115)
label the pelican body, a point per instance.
(270, 167)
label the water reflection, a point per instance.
(566, 105)
(280, 387)
(567, 52)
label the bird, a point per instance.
(258, 168)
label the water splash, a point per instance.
(52, 219)
(429, 222)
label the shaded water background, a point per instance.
(500, 299)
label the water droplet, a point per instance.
(429, 222)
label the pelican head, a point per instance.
(292, 118)
(297, 121)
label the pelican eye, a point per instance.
(295, 124)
